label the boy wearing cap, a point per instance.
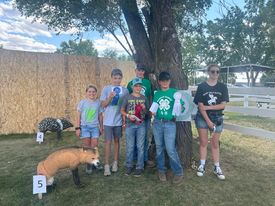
(146, 90)
(134, 109)
(111, 99)
(164, 129)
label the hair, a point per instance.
(163, 76)
(211, 66)
(116, 72)
(91, 86)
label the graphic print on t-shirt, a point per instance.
(164, 105)
(212, 100)
(90, 114)
(142, 91)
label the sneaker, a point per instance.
(218, 173)
(201, 171)
(89, 169)
(128, 171)
(177, 179)
(107, 171)
(138, 172)
(114, 166)
(162, 177)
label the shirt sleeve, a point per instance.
(79, 106)
(198, 95)
(124, 102)
(104, 94)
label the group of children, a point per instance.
(120, 107)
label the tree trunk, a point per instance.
(160, 50)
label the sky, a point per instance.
(19, 33)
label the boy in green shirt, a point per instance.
(146, 90)
(164, 129)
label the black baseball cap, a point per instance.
(163, 76)
(140, 67)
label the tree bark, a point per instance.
(159, 49)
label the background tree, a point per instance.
(152, 28)
(241, 37)
(112, 53)
(83, 47)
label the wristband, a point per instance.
(127, 115)
(77, 128)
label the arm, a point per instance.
(220, 106)
(205, 116)
(100, 118)
(77, 123)
(106, 102)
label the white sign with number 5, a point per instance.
(39, 184)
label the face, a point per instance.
(91, 93)
(140, 73)
(164, 84)
(137, 88)
(91, 156)
(214, 73)
(116, 80)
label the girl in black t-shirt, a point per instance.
(211, 97)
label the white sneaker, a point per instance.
(114, 166)
(201, 171)
(218, 173)
(107, 171)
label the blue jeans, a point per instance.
(135, 135)
(165, 138)
(146, 140)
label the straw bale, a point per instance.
(39, 85)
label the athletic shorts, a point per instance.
(111, 132)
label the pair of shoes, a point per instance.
(218, 173)
(107, 171)
(89, 169)
(114, 166)
(128, 171)
(162, 177)
(137, 172)
(149, 164)
(177, 179)
(201, 170)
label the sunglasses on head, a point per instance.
(214, 71)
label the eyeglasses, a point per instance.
(214, 71)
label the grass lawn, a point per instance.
(248, 163)
(250, 121)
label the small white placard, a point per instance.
(154, 107)
(39, 184)
(39, 137)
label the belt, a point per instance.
(165, 120)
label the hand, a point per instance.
(132, 117)
(143, 106)
(211, 125)
(101, 131)
(112, 94)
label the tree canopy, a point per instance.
(85, 47)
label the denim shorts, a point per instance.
(89, 132)
(112, 131)
(201, 124)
